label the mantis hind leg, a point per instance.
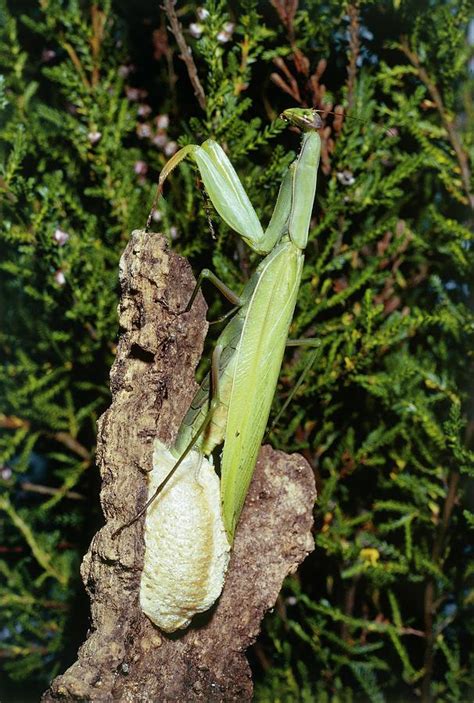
(213, 404)
(316, 354)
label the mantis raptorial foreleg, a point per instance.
(251, 349)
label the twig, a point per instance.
(286, 10)
(430, 590)
(41, 556)
(71, 52)
(289, 86)
(354, 49)
(448, 124)
(72, 444)
(98, 24)
(28, 600)
(17, 652)
(162, 49)
(48, 490)
(244, 48)
(185, 50)
(349, 602)
(12, 422)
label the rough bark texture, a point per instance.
(126, 658)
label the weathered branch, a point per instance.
(126, 658)
(185, 50)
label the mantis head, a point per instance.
(304, 118)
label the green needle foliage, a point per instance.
(93, 100)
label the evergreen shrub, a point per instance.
(94, 98)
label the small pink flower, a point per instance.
(157, 216)
(162, 121)
(174, 234)
(135, 93)
(94, 136)
(196, 29)
(6, 473)
(144, 110)
(125, 71)
(132, 93)
(140, 168)
(48, 55)
(202, 13)
(345, 177)
(143, 130)
(160, 139)
(60, 237)
(170, 148)
(226, 32)
(59, 277)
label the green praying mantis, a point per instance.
(233, 404)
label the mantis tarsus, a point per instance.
(233, 404)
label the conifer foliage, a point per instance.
(94, 98)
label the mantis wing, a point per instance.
(259, 354)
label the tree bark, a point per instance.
(126, 658)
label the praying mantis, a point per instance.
(191, 515)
